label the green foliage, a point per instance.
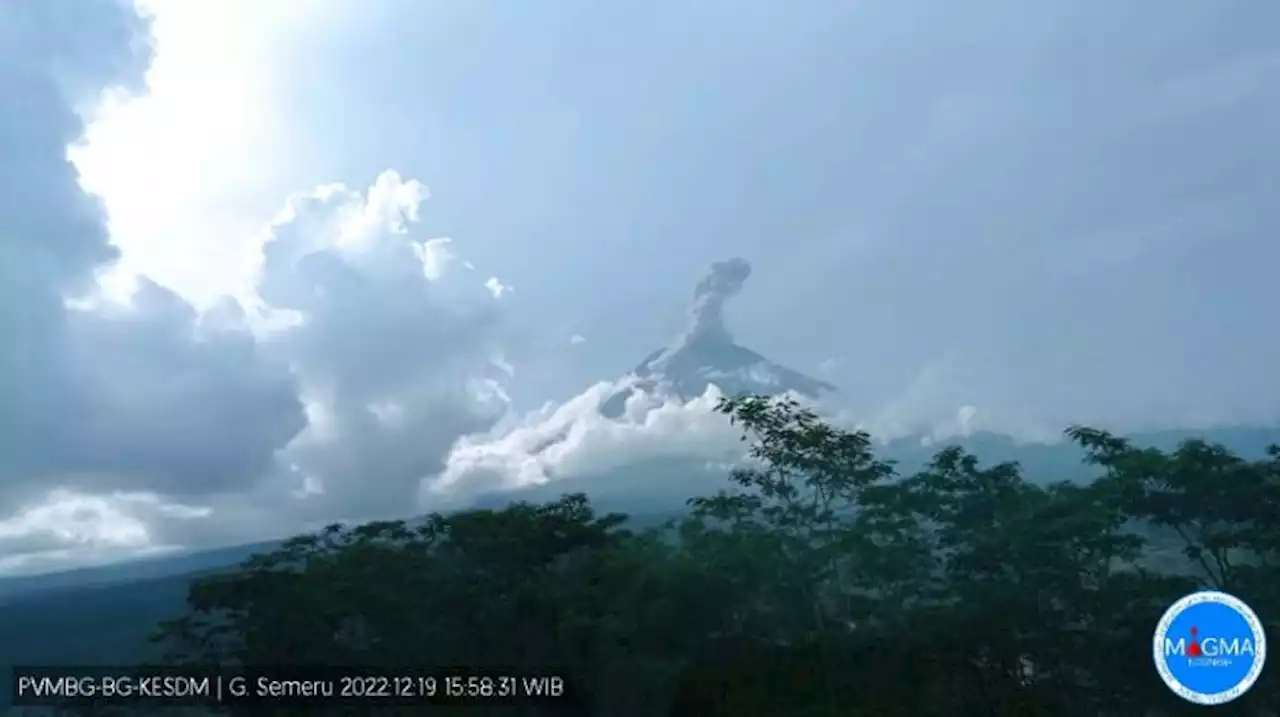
(819, 582)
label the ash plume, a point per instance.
(706, 314)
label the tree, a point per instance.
(819, 582)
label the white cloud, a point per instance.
(496, 287)
(76, 527)
(386, 367)
(142, 424)
(397, 353)
(577, 339)
(435, 255)
(574, 440)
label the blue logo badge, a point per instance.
(1209, 648)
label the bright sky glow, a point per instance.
(183, 169)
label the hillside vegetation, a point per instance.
(819, 582)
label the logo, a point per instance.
(1209, 648)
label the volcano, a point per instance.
(706, 354)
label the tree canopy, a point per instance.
(818, 582)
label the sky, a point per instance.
(271, 263)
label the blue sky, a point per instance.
(1050, 212)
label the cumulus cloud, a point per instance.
(133, 425)
(397, 353)
(368, 352)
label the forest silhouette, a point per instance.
(820, 581)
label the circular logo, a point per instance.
(1209, 648)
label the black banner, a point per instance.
(300, 686)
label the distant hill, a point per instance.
(1049, 462)
(134, 571)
